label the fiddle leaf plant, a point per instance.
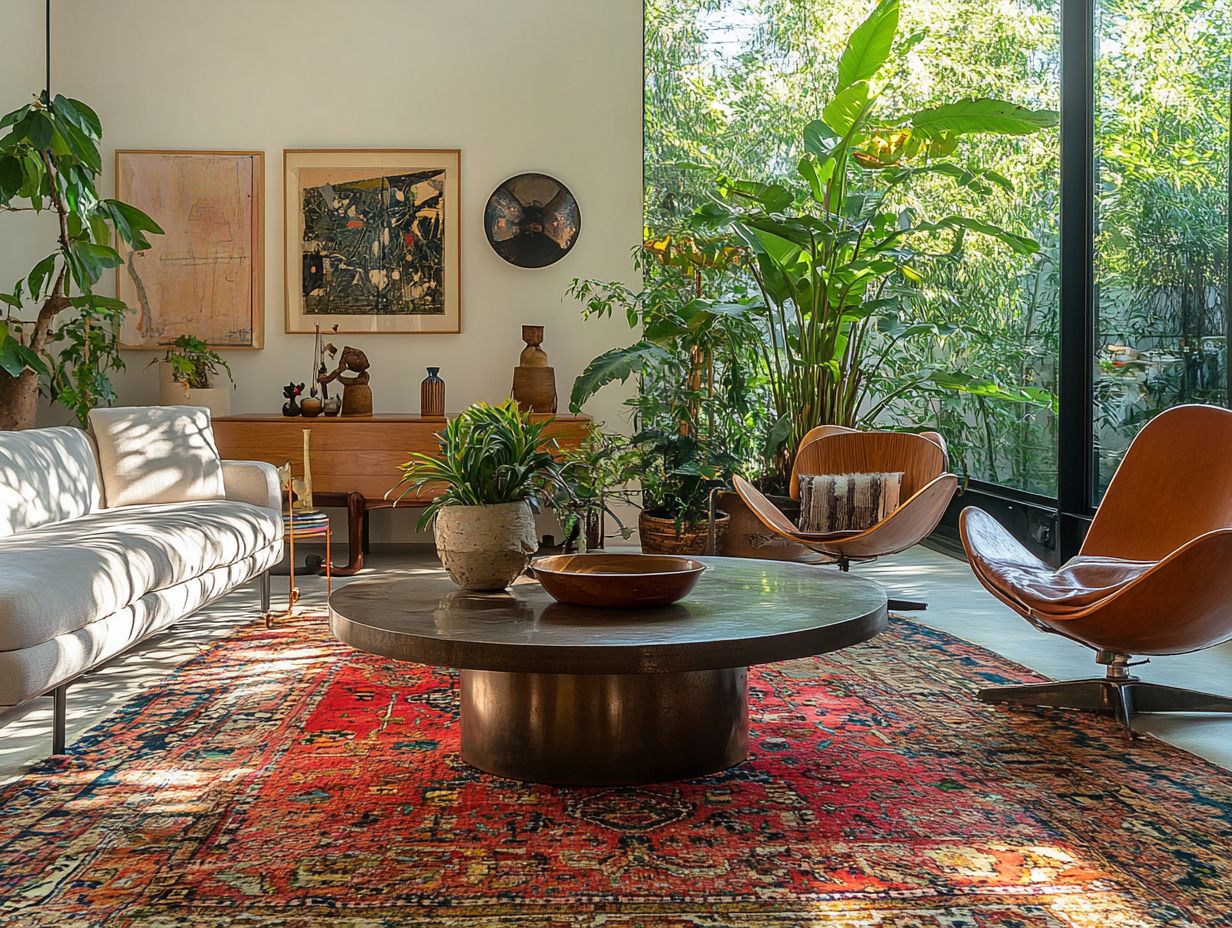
(49, 161)
(842, 264)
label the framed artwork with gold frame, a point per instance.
(205, 276)
(372, 240)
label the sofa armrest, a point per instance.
(254, 482)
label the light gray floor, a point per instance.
(957, 604)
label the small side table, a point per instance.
(301, 532)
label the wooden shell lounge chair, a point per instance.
(1154, 575)
(832, 449)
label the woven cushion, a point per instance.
(831, 503)
(156, 454)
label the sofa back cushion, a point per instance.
(46, 475)
(156, 454)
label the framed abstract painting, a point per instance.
(372, 240)
(205, 276)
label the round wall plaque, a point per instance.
(532, 220)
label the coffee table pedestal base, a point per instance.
(604, 729)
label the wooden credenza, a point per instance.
(355, 461)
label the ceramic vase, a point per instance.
(432, 395)
(216, 399)
(485, 547)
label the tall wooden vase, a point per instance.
(432, 395)
(534, 380)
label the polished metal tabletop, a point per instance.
(742, 612)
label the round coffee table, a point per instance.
(570, 695)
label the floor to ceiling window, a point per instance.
(730, 84)
(1161, 107)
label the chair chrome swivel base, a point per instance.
(1118, 692)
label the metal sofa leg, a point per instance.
(58, 714)
(265, 592)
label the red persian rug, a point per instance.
(283, 779)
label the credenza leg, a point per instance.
(357, 515)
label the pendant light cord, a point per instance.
(47, 34)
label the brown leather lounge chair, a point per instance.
(1154, 575)
(831, 449)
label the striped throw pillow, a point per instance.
(846, 502)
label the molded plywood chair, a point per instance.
(831, 449)
(1154, 575)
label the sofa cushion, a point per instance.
(156, 454)
(60, 577)
(46, 475)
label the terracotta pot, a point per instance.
(747, 537)
(216, 399)
(485, 547)
(660, 534)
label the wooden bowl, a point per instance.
(617, 581)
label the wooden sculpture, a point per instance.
(356, 394)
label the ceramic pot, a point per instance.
(432, 395)
(216, 399)
(747, 537)
(659, 534)
(486, 547)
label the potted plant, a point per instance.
(49, 160)
(189, 373)
(696, 412)
(592, 478)
(494, 466)
(840, 258)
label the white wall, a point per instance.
(548, 85)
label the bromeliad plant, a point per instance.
(489, 455)
(49, 160)
(841, 263)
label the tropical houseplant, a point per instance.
(494, 466)
(841, 262)
(49, 160)
(189, 373)
(594, 479)
(695, 413)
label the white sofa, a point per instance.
(110, 536)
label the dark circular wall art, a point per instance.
(532, 220)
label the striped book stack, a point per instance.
(306, 522)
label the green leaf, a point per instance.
(869, 46)
(1021, 244)
(616, 364)
(10, 177)
(820, 139)
(818, 174)
(847, 108)
(41, 274)
(11, 118)
(982, 115)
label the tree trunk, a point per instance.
(18, 400)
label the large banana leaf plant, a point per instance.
(842, 264)
(49, 161)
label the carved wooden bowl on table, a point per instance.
(617, 581)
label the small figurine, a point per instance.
(356, 394)
(291, 391)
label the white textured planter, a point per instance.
(486, 547)
(216, 399)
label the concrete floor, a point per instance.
(957, 604)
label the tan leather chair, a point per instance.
(1154, 575)
(831, 449)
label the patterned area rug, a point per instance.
(283, 779)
